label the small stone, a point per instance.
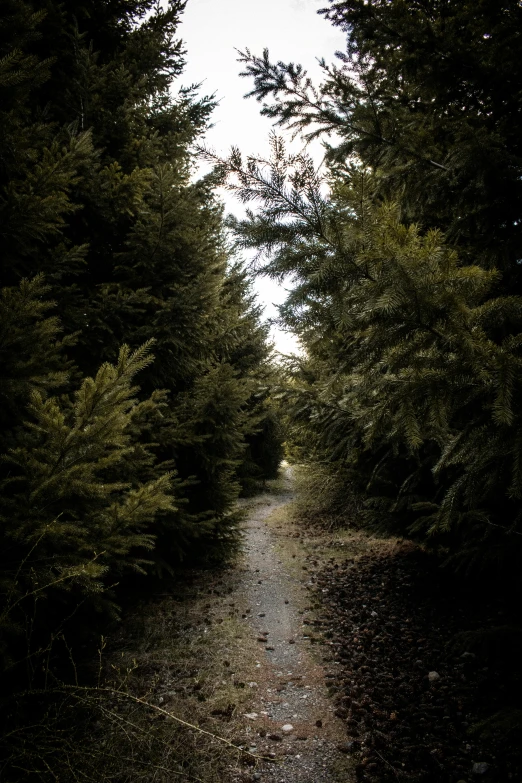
(261, 614)
(287, 728)
(256, 776)
(480, 768)
(251, 715)
(433, 676)
(346, 747)
(468, 655)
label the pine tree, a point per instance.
(31, 351)
(412, 368)
(107, 241)
(132, 249)
(428, 95)
(243, 345)
(410, 382)
(73, 516)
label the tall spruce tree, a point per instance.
(412, 329)
(132, 249)
(107, 242)
(110, 251)
(427, 95)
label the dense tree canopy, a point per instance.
(115, 269)
(405, 257)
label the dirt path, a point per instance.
(291, 718)
(245, 653)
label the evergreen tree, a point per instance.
(101, 221)
(243, 345)
(410, 382)
(31, 351)
(131, 248)
(108, 242)
(428, 95)
(76, 508)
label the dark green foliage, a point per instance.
(97, 196)
(267, 448)
(109, 247)
(72, 518)
(31, 353)
(428, 95)
(108, 242)
(411, 380)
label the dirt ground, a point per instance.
(228, 670)
(290, 717)
(323, 655)
(413, 673)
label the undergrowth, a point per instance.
(323, 498)
(164, 702)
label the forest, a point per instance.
(144, 406)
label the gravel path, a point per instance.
(418, 661)
(291, 720)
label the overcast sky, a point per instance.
(212, 30)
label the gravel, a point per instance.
(294, 720)
(411, 698)
(399, 693)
